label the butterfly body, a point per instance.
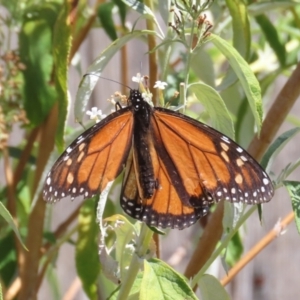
(175, 167)
(142, 113)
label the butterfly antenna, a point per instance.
(107, 79)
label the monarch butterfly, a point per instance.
(175, 166)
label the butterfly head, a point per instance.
(136, 100)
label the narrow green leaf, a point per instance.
(122, 10)
(245, 123)
(277, 146)
(245, 75)
(105, 14)
(211, 288)
(35, 41)
(9, 219)
(61, 51)
(293, 188)
(161, 282)
(215, 107)
(88, 82)
(8, 257)
(289, 168)
(240, 27)
(271, 35)
(87, 259)
(258, 8)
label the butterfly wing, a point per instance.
(211, 166)
(92, 160)
(194, 166)
(165, 208)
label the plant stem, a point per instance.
(189, 56)
(266, 240)
(153, 70)
(223, 245)
(277, 114)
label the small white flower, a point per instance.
(138, 78)
(147, 97)
(95, 114)
(160, 85)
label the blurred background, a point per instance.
(273, 273)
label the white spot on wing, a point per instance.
(225, 139)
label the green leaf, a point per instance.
(245, 75)
(161, 282)
(8, 258)
(258, 8)
(105, 14)
(200, 61)
(244, 125)
(122, 10)
(215, 107)
(61, 51)
(211, 288)
(232, 213)
(87, 259)
(240, 27)
(35, 40)
(134, 291)
(125, 233)
(289, 168)
(293, 188)
(89, 81)
(234, 250)
(271, 35)
(277, 146)
(9, 219)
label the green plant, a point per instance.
(33, 92)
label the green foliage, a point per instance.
(87, 261)
(227, 69)
(212, 289)
(105, 14)
(272, 37)
(293, 188)
(61, 49)
(245, 75)
(4, 213)
(162, 282)
(36, 53)
(215, 107)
